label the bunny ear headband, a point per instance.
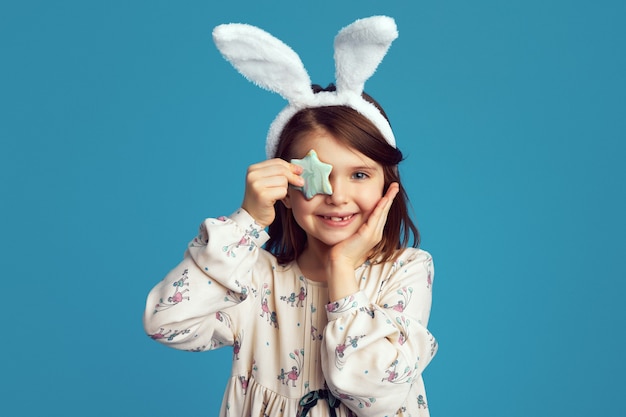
(269, 63)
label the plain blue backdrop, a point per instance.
(121, 128)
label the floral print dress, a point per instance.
(296, 353)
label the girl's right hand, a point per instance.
(266, 183)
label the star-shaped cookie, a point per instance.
(316, 175)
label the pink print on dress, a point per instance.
(167, 335)
(403, 324)
(224, 318)
(341, 305)
(396, 377)
(237, 345)
(405, 297)
(293, 375)
(285, 376)
(244, 383)
(295, 300)
(178, 295)
(265, 309)
(247, 240)
(340, 350)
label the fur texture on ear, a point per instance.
(359, 48)
(271, 64)
(264, 60)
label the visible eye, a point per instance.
(359, 175)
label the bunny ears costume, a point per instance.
(272, 65)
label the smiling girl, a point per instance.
(356, 342)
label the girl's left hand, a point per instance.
(354, 250)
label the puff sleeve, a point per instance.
(377, 346)
(197, 305)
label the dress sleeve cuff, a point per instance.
(254, 230)
(347, 305)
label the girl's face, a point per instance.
(357, 182)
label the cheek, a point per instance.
(370, 199)
(370, 204)
(296, 200)
(300, 206)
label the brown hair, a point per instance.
(287, 239)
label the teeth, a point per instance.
(337, 219)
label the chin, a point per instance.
(335, 239)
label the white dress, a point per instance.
(361, 356)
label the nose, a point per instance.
(340, 192)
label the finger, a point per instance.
(384, 204)
(291, 171)
(270, 165)
(390, 196)
(276, 168)
(275, 181)
(296, 169)
(392, 191)
(275, 194)
(295, 178)
(380, 213)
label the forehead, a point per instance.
(330, 149)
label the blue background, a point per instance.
(121, 128)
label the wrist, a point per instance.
(257, 217)
(345, 262)
(341, 281)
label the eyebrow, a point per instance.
(362, 168)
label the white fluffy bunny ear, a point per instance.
(264, 60)
(359, 48)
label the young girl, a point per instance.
(330, 318)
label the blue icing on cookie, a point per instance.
(316, 175)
